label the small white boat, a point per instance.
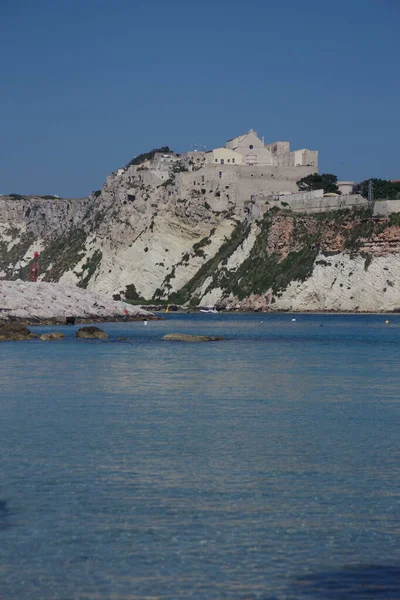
(212, 311)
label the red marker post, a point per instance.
(34, 268)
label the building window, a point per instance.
(233, 160)
(220, 173)
(222, 161)
(202, 178)
(216, 160)
(251, 146)
(229, 160)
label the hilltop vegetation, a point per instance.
(325, 181)
(141, 158)
(382, 189)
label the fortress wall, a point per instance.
(268, 180)
(258, 185)
(298, 158)
(385, 207)
(315, 205)
(282, 173)
(278, 148)
(235, 172)
(311, 195)
(308, 202)
(310, 157)
(246, 188)
(207, 178)
(239, 183)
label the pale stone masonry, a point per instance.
(252, 149)
(245, 173)
(244, 167)
(277, 154)
(247, 149)
(224, 156)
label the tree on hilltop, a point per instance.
(141, 158)
(383, 189)
(325, 181)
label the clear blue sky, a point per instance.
(88, 84)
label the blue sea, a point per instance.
(265, 466)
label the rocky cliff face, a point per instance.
(137, 238)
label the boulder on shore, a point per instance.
(91, 333)
(185, 337)
(52, 336)
(10, 332)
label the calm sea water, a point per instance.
(266, 466)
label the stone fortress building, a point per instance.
(246, 172)
(250, 150)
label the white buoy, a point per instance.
(145, 322)
(293, 319)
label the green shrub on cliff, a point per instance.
(263, 270)
(131, 293)
(271, 265)
(239, 234)
(62, 254)
(89, 268)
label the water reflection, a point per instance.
(369, 581)
(147, 469)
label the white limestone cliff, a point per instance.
(189, 240)
(52, 302)
(342, 283)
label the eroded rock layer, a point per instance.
(138, 238)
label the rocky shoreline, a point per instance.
(271, 311)
(79, 320)
(55, 304)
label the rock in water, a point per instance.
(184, 337)
(15, 331)
(52, 336)
(91, 333)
